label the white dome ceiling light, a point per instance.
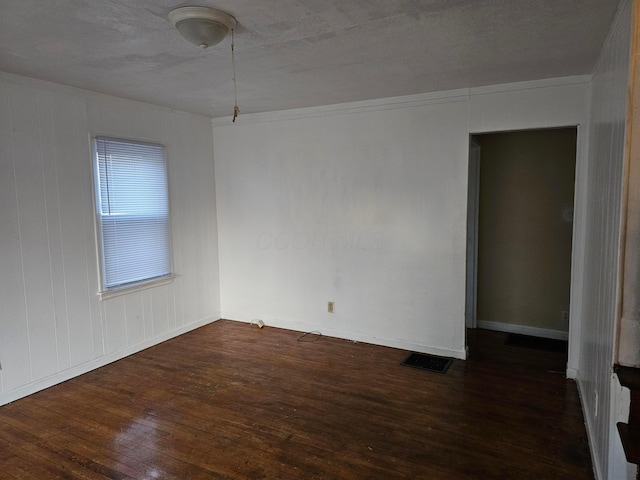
(206, 27)
(202, 26)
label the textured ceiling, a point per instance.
(300, 53)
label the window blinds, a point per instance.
(133, 211)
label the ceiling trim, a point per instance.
(531, 84)
(407, 101)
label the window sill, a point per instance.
(116, 292)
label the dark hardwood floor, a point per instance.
(231, 401)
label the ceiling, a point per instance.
(300, 53)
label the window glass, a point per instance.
(132, 205)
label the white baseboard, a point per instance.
(572, 373)
(25, 390)
(523, 330)
(597, 470)
(351, 335)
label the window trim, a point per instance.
(103, 292)
(136, 287)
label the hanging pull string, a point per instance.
(236, 110)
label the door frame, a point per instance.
(578, 237)
(473, 209)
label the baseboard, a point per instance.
(572, 373)
(597, 471)
(30, 388)
(523, 330)
(354, 336)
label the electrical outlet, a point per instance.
(565, 316)
(330, 307)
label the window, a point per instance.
(132, 210)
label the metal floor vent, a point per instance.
(425, 361)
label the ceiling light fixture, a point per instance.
(206, 27)
(202, 26)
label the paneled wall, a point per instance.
(52, 323)
(601, 268)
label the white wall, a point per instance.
(602, 242)
(348, 208)
(52, 324)
(364, 204)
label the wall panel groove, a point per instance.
(602, 243)
(52, 321)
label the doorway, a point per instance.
(520, 230)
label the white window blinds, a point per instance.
(133, 211)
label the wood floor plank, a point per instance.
(231, 401)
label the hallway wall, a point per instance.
(525, 229)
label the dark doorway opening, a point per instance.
(521, 194)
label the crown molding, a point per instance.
(407, 101)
